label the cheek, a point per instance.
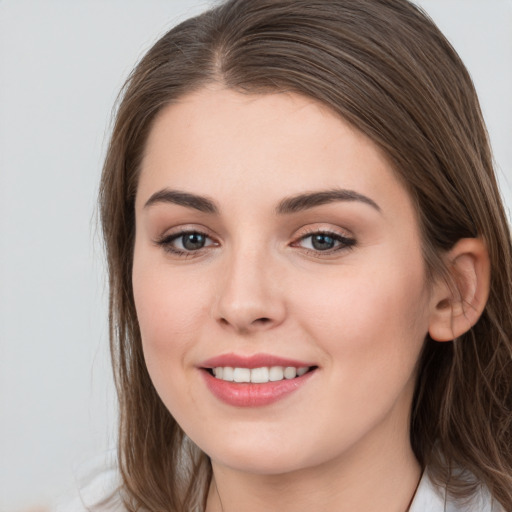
(168, 312)
(372, 330)
(372, 317)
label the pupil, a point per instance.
(193, 241)
(323, 242)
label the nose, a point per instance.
(250, 298)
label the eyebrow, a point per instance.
(288, 205)
(310, 200)
(203, 204)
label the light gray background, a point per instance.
(61, 65)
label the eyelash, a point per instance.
(167, 241)
(344, 243)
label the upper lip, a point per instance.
(252, 361)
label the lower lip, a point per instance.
(245, 394)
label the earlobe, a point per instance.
(457, 305)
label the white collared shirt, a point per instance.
(428, 498)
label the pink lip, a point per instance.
(248, 394)
(254, 361)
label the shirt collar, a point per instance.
(432, 498)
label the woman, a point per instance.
(310, 268)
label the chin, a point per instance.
(261, 456)
(258, 464)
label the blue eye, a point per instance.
(185, 242)
(325, 242)
(192, 241)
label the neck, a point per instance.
(376, 476)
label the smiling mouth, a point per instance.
(260, 375)
(257, 380)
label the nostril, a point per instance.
(262, 321)
(245, 321)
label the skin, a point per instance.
(360, 313)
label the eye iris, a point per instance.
(322, 242)
(193, 241)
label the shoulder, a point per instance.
(434, 499)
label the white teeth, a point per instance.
(276, 373)
(242, 375)
(290, 372)
(258, 375)
(301, 371)
(227, 374)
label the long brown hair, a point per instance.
(385, 67)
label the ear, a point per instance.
(457, 305)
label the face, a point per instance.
(274, 244)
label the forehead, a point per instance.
(217, 141)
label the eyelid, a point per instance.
(345, 239)
(165, 241)
(319, 227)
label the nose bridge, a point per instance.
(248, 298)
